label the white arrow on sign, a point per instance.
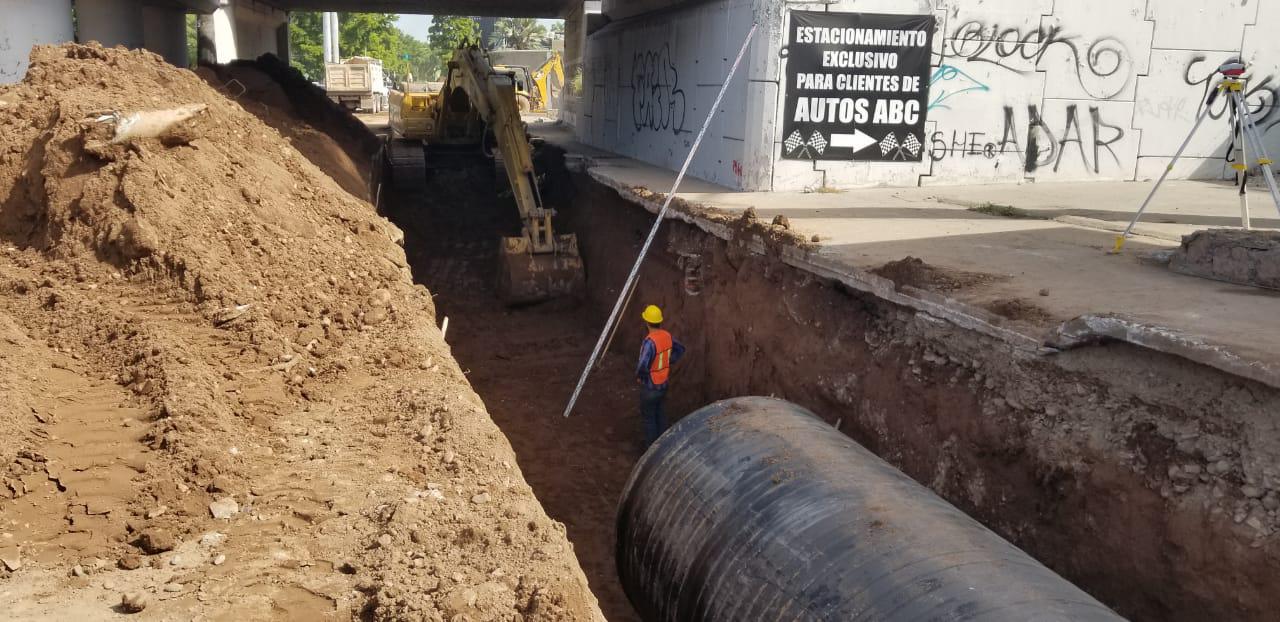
(857, 141)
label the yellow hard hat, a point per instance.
(652, 314)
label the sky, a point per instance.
(416, 25)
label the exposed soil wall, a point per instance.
(1147, 480)
(524, 362)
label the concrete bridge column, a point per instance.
(165, 33)
(247, 29)
(110, 22)
(206, 50)
(575, 44)
(224, 33)
(26, 23)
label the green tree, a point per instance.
(557, 32)
(448, 33)
(360, 34)
(518, 33)
(306, 45)
(374, 35)
(419, 58)
(191, 40)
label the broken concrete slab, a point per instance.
(1232, 255)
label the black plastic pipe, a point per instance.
(755, 509)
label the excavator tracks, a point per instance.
(407, 161)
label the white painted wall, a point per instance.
(1109, 88)
(24, 23)
(650, 82)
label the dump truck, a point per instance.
(357, 84)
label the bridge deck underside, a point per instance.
(501, 8)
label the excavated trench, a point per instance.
(1072, 457)
(523, 362)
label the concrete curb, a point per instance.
(1116, 227)
(1079, 221)
(1093, 329)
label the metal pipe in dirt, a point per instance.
(754, 508)
(653, 231)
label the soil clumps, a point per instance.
(223, 393)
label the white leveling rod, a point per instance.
(653, 232)
(1232, 84)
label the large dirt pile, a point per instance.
(328, 135)
(222, 391)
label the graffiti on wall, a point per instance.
(657, 101)
(1040, 142)
(1260, 95)
(1102, 66)
(948, 82)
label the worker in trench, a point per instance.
(658, 352)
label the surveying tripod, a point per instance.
(1232, 85)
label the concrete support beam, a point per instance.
(282, 41)
(326, 37)
(253, 29)
(165, 33)
(110, 22)
(242, 29)
(26, 23)
(206, 34)
(617, 10)
(575, 42)
(224, 33)
(336, 27)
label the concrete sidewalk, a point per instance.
(1052, 269)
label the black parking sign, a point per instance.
(857, 86)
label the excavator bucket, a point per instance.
(526, 277)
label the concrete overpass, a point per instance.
(234, 29)
(1093, 90)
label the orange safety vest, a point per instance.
(660, 368)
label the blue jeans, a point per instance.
(655, 422)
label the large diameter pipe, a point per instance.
(755, 509)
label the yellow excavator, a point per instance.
(477, 104)
(549, 80)
(540, 90)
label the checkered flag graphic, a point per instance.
(912, 145)
(888, 143)
(794, 141)
(818, 142)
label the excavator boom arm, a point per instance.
(492, 95)
(539, 264)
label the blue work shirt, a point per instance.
(647, 352)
